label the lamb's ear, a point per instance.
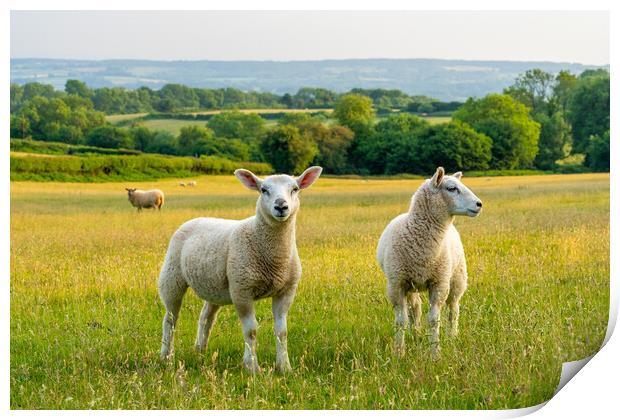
(128, 189)
(309, 176)
(438, 177)
(248, 179)
(458, 175)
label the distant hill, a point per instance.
(446, 80)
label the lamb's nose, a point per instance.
(479, 204)
(280, 205)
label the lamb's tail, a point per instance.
(161, 202)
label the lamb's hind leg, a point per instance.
(205, 323)
(171, 291)
(396, 296)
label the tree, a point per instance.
(392, 147)
(141, 137)
(565, 83)
(17, 97)
(589, 108)
(163, 143)
(20, 126)
(533, 89)
(554, 141)
(193, 140)
(333, 141)
(354, 111)
(288, 150)
(237, 125)
(597, 153)
(507, 122)
(110, 137)
(75, 87)
(456, 146)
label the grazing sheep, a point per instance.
(422, 250)
(181, 184)
(145, 199)
(192, 183)
(237, 262)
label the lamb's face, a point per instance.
(279, 194)
(456, 197)
(130, 192)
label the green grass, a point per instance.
(437, 120)
(85, 316)
(171, 125)
(114, 119)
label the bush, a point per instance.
(55, 148)
(116, 168)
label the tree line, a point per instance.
(538, 120)
(177, 98)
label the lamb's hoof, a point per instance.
(399, 350)
(165, 356)
(435, 353)
(284, 368)
(252, 368)
(201, 349)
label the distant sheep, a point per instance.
(238, 262)
(145, 199)
(192, 183)
(181, 184)
(422, 250)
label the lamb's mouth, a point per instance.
(281, 217)
(473, 213)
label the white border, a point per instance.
(592, 393)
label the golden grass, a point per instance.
(86, 319)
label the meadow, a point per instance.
(174, 126)
(86, 318)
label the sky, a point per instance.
(580, 37)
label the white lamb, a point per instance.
(192, 183)
(237, 262)
(421, 250)
(145, 199)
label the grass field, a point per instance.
(174, 125)
(171, 125)
(86, 318)
(113, 119)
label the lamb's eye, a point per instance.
(295, 189)
(264, 190)
(452, 189)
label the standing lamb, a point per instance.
(192, 183)
(238, 262)
(422, 250)
(145, 199)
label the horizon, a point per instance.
(311, 60)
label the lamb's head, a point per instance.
(279, 194)
(130, 192)
(451, 194)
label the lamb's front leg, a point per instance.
(245, 309)
(280, 306)
(437, 298)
